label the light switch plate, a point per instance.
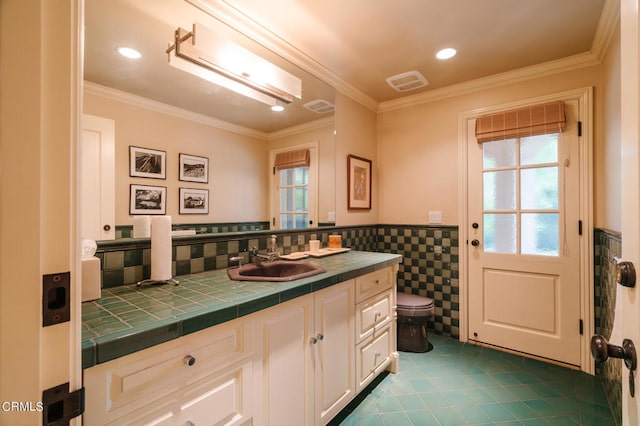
(435, 216)
(331, 216)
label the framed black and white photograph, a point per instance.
(194, 168)
(194, 201)
(145, 199)
(147, 163)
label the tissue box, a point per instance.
(90, 280)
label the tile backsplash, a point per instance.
(430, 266)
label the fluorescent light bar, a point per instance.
(219, 79)
(207, 55)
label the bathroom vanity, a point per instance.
(285, 353)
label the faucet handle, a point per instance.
(238, 259)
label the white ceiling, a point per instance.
(354, 43)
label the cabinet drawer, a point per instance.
(372, 357)
(222, 398)
(125, 384)
(373, 283)
(372, 315)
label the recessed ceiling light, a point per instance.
(446, 53)
(129, 52)
(277, 108)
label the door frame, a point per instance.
(585, 115)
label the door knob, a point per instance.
(602, 350)
(107, 227)
(475, 243)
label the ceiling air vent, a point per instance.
(407, 81)
(320, 106)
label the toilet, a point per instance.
(413, 313)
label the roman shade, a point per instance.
(291, 159)
(530, 121)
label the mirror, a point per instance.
(159, 107)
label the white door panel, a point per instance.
(97, 178)
(524, 246)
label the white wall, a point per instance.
(238, 173)
(418, 146)
(356, 134)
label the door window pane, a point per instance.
(540, 234)
(302, 198)
(539, 188)
(539, 149)
(499, 190)
(301, 220)
(286, 221)
(500, 233)
(286, 199)
(499, 154)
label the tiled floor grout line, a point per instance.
(437, 388)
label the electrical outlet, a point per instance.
(435, 216)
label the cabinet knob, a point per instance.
(313, 340)
(377, 281)
(189, 423)
(320, 336)
(377, 314)
(189, 360)
(378, 354)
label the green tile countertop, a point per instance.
(127, 319)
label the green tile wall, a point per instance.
(127, 262)
(606, 245)
(430, 268)
(126, 231)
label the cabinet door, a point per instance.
(286, 382)
(334, 350)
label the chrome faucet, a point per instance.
(272, 252)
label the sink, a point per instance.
(278, 270)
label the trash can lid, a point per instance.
(413, 301)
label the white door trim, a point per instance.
(585, 115)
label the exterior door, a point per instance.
(524, 243)
(97, 178)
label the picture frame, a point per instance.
(147, 199)
(147, 163)
(193, 168)
(193, 201)
(358, 182)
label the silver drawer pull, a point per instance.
(377, 314)
(189, 360)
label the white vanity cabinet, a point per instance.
(305, 367)
(297, 363)
(375, 326)
(202, 378)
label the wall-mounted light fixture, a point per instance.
(205, 54)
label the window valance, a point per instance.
(530, 121)
(291, 159)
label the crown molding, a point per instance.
(142, 102)
(302, 128)
(239, 21)
(606, 28)
(523, 74)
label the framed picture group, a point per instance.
(152, 199)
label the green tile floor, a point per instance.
(462, 384)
